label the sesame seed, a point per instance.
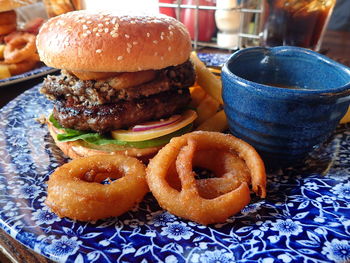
(100, 30)
(98, 51)
(107, 23)
(127, 36)
(119, 57)
(161, 37)
(156, 53)
(169, 48)
(88, 32)
(98, 34)
(84, 35)
(85, 27)
(115, 35)
(106, 30)
(94, 29)
(155, 41)
(148, 34)
(135, 43)
(89, 22)
(100, 25)
(161, 58)
(129, 45)
(128, 50)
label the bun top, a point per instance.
(7, 5)
(108, 42)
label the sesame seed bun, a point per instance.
(107, 42)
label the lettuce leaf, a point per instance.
(101, 139)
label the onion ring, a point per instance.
(20, 48)
(89, 75)
(188, 203)
(74, 189)
(229, 169)
(131, 79)
(21, 67)
(8, 17)
(7, 29)
(11, 36)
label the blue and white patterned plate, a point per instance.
(305, 217)
(34, 73)
(213, 60)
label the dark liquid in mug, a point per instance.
(295, 22)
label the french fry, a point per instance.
(206, 109)
(2, 48)
(217, 122)
(346, 117)
(197, 94)
(215, 71)
(4, 72)
(206, 79)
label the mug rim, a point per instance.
(338, 92)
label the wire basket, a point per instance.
(249, 22)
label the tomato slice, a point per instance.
(133, 136)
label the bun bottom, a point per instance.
(77, 149)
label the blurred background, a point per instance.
(227, 24)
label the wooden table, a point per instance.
(336, 45)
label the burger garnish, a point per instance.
(124, 81)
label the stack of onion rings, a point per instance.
(20, 53)
(23, 66)
(20, 48)
(214, 199)
(75, 191)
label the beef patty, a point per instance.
(97, 92)
(122, 114)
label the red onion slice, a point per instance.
(158, 124)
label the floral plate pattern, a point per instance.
(305, 217)
(34, 73)
(213, 60)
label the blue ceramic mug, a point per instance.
(284, 101)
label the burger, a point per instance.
(7, 5)
(8, 23)
(124, 82)
(8, 17)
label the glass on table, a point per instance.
(295, 22)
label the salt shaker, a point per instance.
(228, 22)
